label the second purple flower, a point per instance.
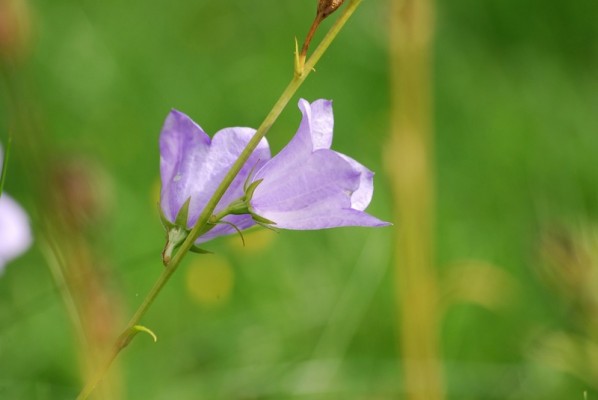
(308, 186)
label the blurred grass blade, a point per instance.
(5, 163)
(409, 162)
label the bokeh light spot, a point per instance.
(155, 191)
(210, 280)
(256, 240)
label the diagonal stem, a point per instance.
(171, 266)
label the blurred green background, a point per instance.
(312, 315)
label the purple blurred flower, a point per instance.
(15, 233)
(192, 166)
(308, 186)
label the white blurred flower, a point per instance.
(15, 232)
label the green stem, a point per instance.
(171, 267)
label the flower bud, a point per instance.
(327, 7)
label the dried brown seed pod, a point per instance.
(327, 7)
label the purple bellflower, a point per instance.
(192, 166)
(306, 186)
(15, 232)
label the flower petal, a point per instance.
(361, 198)
(227, 146)
(15, 233)
(192, 166)
(310, 219)
(308, 186)
(324, 180)
(315, 132)
(318, 115)
(317, 196)
(184, 147)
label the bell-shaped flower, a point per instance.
(15, 231)
(307, 185)
(192, 166)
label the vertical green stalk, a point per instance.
(410, 166)
(298, 78)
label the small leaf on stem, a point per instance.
(141, 328)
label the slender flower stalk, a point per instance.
(325, 8)
(299, 77)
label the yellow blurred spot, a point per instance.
(256, 240)
(155, 191)
(481, 283)
(210, 280)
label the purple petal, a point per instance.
(193, 166)
(317, 196)
(227, 146)
(15, 233)
(318, 115)
(361, 198)
(308, 186)
(315, 132)
(311, 219)
(184, 147)
(324, 178)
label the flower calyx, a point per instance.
(249, 190)
(175, 237)
(242, 206)
(177, 232)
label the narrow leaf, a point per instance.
(198, 250)
(5, 163)
(141, 328)
(182, 216)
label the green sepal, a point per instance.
(165, 222)
(261, 220)
(248, 196)
(236, 228)
(237, 207)
(174, 238)
(182, 216)
(198, 250)
(250, 189)
(270, 227)
(249, 176)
